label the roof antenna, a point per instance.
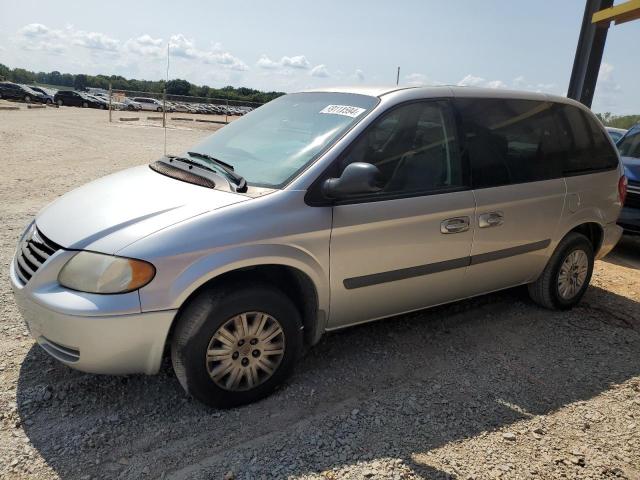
(398, 77)
(164, 103)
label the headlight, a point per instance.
(98, 273)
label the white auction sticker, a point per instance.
(346, 110)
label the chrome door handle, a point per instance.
(455, 225)
(491, 219)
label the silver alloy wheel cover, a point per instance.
(245, 351)
(573, 273)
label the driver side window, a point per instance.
(414, 147)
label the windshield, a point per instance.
(629, 146)
(273, 143)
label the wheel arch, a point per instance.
(593, 231)
(293, 282)
(300, 278)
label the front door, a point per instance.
(407, 246)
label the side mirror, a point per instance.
(357, 178)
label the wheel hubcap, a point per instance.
(573, 274)
(245, 351)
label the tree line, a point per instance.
(178, 86)
(618, 121)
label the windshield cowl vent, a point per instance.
(182, 175)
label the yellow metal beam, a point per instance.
(625, 12)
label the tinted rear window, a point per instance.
(510, 141)
(588, 147)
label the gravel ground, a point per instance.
(486, 388)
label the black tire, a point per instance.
(205, 314)
(60, 102)
(545, 290)
(27, 98)
(159, 109)
(85, 105)
(49, 101)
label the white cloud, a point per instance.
(39, 31)
(145, 45)
(608, 91)
(496, 84)
(471, 81)
(299, 61)
(265, 62)
(416, 79)
(474, 81)
(320, 71)
(606, 69)
(286, 65)
(95, 41)
(181, 46)
(521, 83)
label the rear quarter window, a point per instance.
(587, 147)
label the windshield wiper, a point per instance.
(188, 161)
(241, 183)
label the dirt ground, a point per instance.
(486, 388)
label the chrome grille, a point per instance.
(33, 251)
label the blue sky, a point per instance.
(292, 45)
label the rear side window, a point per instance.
(588, 148)
(510, 141)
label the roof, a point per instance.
(448, 90)
(372, 91)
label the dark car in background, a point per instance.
(77, 99)
(629, 147)
(15, 91)
(48, 94)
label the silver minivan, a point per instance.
(317, 211)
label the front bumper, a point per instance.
(630, 220)
(93, 333)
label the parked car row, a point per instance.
(16, 91)
(207, 108)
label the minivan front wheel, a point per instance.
(566, 277)
(234, 346)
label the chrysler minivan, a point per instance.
(317, 211)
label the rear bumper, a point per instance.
(630, 220)
(612, 234)
(102, 342)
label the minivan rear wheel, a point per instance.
(233, 346)
(566, 277)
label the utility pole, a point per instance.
(398, 77)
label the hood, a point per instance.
(110, 213)
(631, 168)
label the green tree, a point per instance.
(20, 75)
(178, 87)
(80, 81)
(5, 72)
